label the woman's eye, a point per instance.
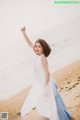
(37, 46)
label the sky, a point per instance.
(35, 15)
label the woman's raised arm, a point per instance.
(26, 38)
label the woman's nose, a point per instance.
(37, 48)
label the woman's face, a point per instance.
(38, 48)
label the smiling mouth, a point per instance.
(37, 51)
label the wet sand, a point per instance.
(68, 81)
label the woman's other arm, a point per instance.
(26, 38)
(45, 67)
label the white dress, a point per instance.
(41, 96)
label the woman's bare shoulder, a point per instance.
(43, 59)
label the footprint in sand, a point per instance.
(68, 82)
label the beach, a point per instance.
(68, 81)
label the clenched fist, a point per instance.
(23, 29)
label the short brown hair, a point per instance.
(45, 46)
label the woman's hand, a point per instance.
(23, 29)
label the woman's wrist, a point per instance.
(23, 32)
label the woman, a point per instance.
(44, 94)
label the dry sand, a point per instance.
(68, 80)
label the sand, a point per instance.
(68, 81)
